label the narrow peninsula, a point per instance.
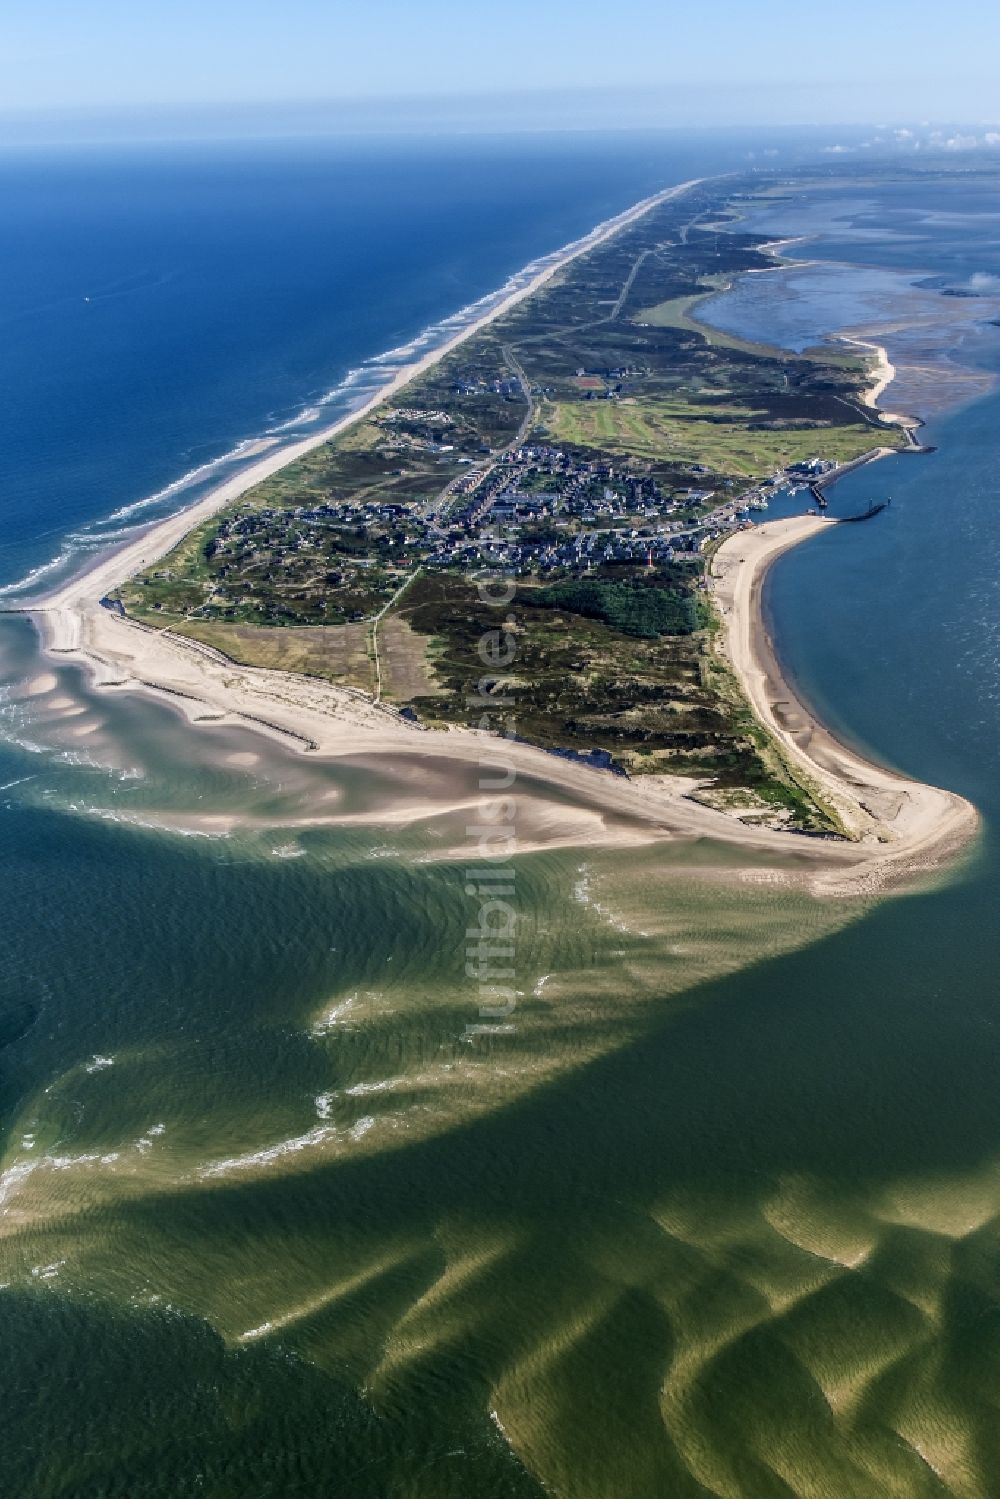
(592, 443)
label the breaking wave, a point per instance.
(356, 387)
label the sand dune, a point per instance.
(899, 827)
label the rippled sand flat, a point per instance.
(591, 1254)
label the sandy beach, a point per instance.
(120, 563)
(905, 825)
(883, 374)
(897, 828)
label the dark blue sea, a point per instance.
(723, 1217)
(162, 305)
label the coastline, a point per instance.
(116, 565)
(971, 382)
(909, 827)
(915, 827)
(898, 827)
(883, 374)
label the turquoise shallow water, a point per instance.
(272, 1227)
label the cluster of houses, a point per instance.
(536, 509)
(597, 513)
(538, 481)
(810, 468)
(577, 552)
(507, 388)
(394, 414)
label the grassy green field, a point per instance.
(720, 436)
(678, 312)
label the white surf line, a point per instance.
(114, 568)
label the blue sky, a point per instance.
(698, 62)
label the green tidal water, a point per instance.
(721, 1216)
(270, 1217)
(273, 1225)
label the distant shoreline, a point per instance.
(977, 382)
